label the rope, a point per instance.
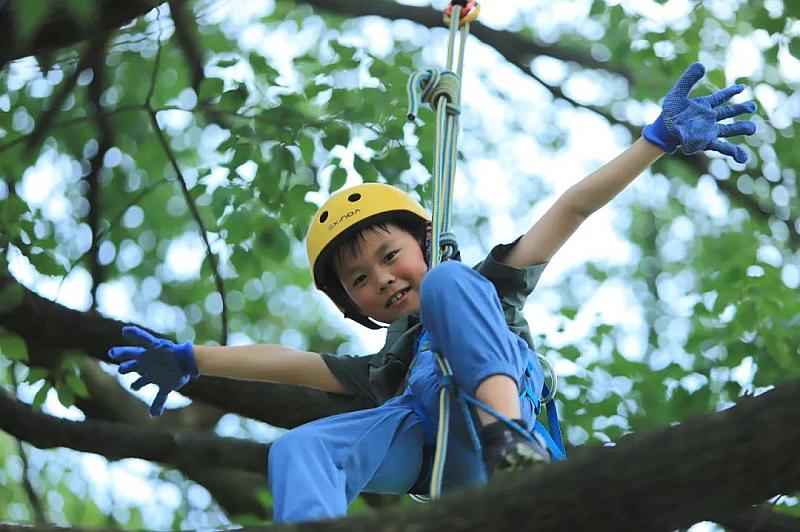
(441, 89)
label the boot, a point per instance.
(505, 449)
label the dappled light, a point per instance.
(160, 165)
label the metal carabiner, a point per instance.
(469, 11)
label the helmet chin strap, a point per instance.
(367, 322)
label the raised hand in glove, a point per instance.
(161, 362)
(692, 123)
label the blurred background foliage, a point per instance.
(149, 170)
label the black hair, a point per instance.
(351, 242)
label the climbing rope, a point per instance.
(441, 89)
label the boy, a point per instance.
(367, 249)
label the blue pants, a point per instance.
(317, 469)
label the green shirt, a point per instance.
(374, 379)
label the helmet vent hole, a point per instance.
(323, 217)
(352, 198)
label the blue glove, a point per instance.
(160, 362)
(691, 123)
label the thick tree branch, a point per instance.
(233, 490)
(759, 519)
(516, 48)
(33, 498)
(116, 440)
(186, 35)
(660, 481)
(60, 28)
(712, 465)
(51, 325)
(45, 120)
(519, 51)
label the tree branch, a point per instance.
(187, 196)
(235, 491)
(665, 480)
(56, 102)
(661, 481)
(60, 28)
(519, 51)
(186, 35)
(50, 325)
(105, 131)
(116, 440)
(33, 498)
(759, 519)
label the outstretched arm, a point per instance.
(170, 366)
(553, 229)
(267, 362)
(691, 123)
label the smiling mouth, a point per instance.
(397, 296)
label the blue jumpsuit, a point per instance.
(316, 470)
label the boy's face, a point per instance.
(384, 276)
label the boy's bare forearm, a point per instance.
(267, 362)
(561, 220)
(602, 185)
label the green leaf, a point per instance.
(365, 169)
(77, 385)
(717, 78)
(35, 375)
(307, 149)
(264, 497)
(338, 178)
(274, 241)
(30, 16)
(598, 6)
(336, 134)
(283, 158)
(239, 226)
(225, 63)
(233, 100)
(794, 47)
(41, 395)
(65, 395)
(12, 347)
(46, 264)
(210, 88)
(261, 67)
(13, 209)
(11, 297)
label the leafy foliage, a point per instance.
(293, 104)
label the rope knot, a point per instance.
(428, 85)
(448, 245)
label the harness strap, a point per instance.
(427, 425)
(554, 426)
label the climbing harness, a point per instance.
(441, 89)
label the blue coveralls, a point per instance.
(316, 470)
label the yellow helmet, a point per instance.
(346, 211)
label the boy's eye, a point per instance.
(359, 280)
(389, 256)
